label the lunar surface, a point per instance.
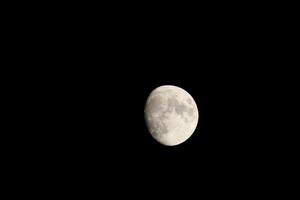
(171, 115)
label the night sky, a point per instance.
(101, 130)
(91, 87)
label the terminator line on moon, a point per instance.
(171, 115)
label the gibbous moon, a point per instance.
(171, 115)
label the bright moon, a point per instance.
(171, 115)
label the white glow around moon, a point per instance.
(171, 115)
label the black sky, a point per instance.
(97, 71)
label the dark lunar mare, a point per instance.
(154, 105)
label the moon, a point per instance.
(171, 115)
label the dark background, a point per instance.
(89, 75)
